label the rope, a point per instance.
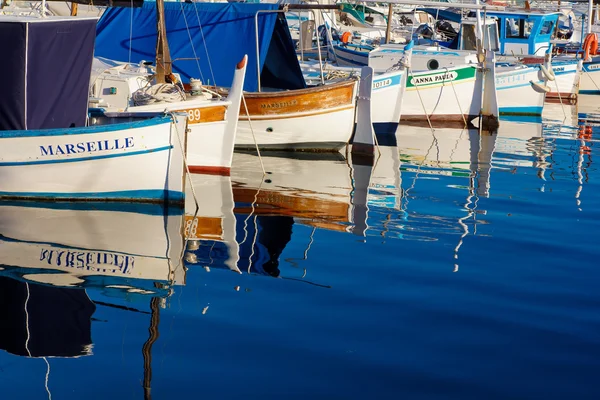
(409, 71)
(462, 114)
(560, 98)
(185, 163)
(187, 28)
(592, 79)
(205, 48)
(262, 166)
(161, 92)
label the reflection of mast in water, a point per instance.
(361, 177)
(482, 148)
(585, 133)
(147, 348)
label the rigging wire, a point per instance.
(191, 41)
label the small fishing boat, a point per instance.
(280, 111)
(47, 151)
(212, 118)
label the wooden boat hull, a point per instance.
(136, 161)
(314, 119)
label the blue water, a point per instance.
(465, 266)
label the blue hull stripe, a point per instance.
(349, 60)
(86, 129)
(69, 160)
(521, 110)
(595, 92)
(129, 195)
(114, 206)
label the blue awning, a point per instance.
(448, 14)
(228, 32)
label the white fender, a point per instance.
(539, 88)
(548, 73)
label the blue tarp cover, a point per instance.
(452, 15)
(228, 32)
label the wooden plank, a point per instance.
(318, 98)
(199, 115)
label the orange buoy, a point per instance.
(590, 45)
(346, 37)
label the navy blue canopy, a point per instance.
(224, 31)
(452, 15)
(46, 70)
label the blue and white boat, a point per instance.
(51, 149)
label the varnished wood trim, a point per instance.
(320, 98)
(199, 115)
(196, 169)
(203, 227)
(277, 203)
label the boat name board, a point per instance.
(382, 83)
(434, 79)
(281, 104)
(94, 261)
(86, 147)
(592, 67)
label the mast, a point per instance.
(388, 30)
(163, 56)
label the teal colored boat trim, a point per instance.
(524, 111)
(592, 92)
(150, 195)
(81, 159)
(138, 208)
(86, 130)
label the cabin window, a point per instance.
(547, 28)
(491, 38)
(518, 28)
(469, 39)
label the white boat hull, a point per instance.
(137, 161)
(126, 248)
(442, 95)
(590, 78)
(330, 131)
(516, 95)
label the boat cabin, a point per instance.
(512, 33)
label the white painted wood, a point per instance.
(68, 164)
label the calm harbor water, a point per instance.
(460, 266)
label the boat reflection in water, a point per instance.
(55, 256)
(460, 160)
(245, 222)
